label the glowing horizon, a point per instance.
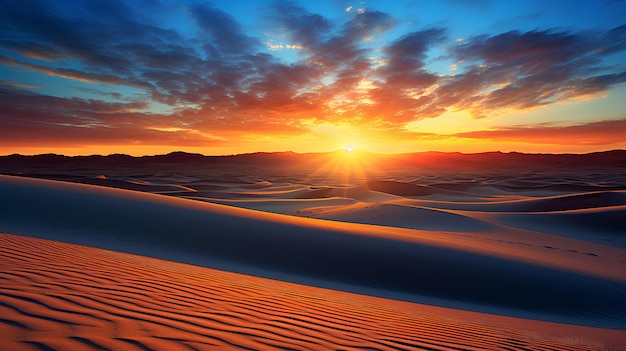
(304, 76)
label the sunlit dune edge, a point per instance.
(63, 296)
(461, 270)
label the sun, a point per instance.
(349, 148)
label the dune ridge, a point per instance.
(59, 296)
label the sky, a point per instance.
(146, 77)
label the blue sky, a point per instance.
(146, 77)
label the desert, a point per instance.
(312, 175)
(203, 253)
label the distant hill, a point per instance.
(182, 162)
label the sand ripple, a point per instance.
(58, 296)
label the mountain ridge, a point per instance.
(290, 161)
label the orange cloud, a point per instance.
(605, 132)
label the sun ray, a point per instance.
(346, 167)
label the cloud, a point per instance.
(33, 50)
(334, 60)
(273, 47)
(78, 75)
(612, 41)
(305, 28)
(530, 51)
(225, 35)
(401, 92)
(238, 86)
(525, 70)
(604, 132)
(18, 85)
(42, 109)
(30, 117)
(364, 24)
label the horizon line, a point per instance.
(354, 150)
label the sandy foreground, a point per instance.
(148, 263)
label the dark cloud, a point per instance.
(406, 60)
(305, 28)
(332, 48)
(78, 74)
(411, 49)
(530, 69)
(613, 41)
(29, 107)
(33, 50)
(30, 119)
(18, 85)
(222, 34)
(76, 32)
(531, 50)
(364, 24)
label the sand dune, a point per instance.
(400, 188)
(525, 186)
(421, 266)
(515, 260)
(396, 215)
(284, 206)
(58, 296)
(603, 225)
(595, 217)
(577, 201)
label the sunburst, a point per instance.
(348, 166)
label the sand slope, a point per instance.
(462, 271)
(58, 296)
